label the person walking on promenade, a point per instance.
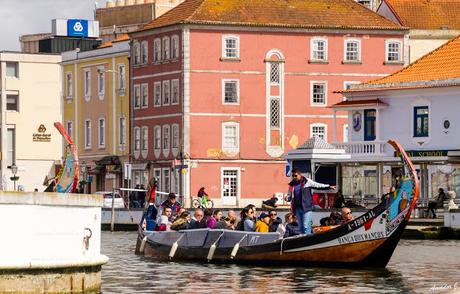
(300, 196)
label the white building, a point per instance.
(419, 107)
(30, 103)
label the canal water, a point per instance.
(416, 267)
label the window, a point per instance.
(87, 84)
(121, 79)
(318, 130)
(101, 132)
(166, 178)
(122, 132)
(393, 51)
(101, 82)
(421, 120)
(137, 53)
(137, 96)
(12, 69)
(145, 138)
(352, 51)
(175, 92)
(274, 73)
(318, 50)
(318, 93)
(369, 125)
(175, 47)
(230, 136)
(68, 86)
(145, 95)
(11, 150)
(166, 90)
(157, 94)
(274, 112)
(156, 50)
(230, 185)
(137, 139)
(144, 52)
(70, 129)
(166, 49)
(87, 134)
(12, 102)
(230, 47)
(157, 135)
(230, 91)
(157, 175)
(166, 138)
(175, 136)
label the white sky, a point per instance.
(21, 17)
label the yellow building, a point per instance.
(96, 111)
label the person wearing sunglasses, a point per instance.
(346, 215)
(300, 196)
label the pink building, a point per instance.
(222, 89)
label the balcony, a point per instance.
(364, 148)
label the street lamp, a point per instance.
(14, 178)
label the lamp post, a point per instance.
(14, 178)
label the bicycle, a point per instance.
(206, 203)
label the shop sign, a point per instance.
(425, 153)
(41, 135)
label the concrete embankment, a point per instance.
(50, 243)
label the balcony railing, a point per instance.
(365, 148)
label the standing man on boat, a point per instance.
(300, 196)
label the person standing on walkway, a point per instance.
(300, 196)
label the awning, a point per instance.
(353, 104)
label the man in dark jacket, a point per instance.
(300, 196)
(275, 221)
(172, 203)
(198, 221)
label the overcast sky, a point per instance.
(20, 17)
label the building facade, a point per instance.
(216, 104)
(96, 111)
(30, 86)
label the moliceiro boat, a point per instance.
(367, 241)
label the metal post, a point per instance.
(112, 220)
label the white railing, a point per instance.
(362, 148)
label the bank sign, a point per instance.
(77, 28)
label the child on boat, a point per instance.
(262, 223)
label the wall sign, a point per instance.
(425, 153)
(41, 135)
(77, 28)
(357, 121)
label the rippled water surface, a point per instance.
(416, 267)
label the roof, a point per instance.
(439, 68)
(120, 38)
(369, 102)
(427, 14)
(316, 142)
(275, 13)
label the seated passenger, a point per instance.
(210, 220)
(198, 221)
(262, 223)
(164, 223)
(182, 222)
(172, 203)
(292, 227)
(346, 215)
(214, 219)
(276, 223)
(249, 223)
(225, 224)
(333, 219)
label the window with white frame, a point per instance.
(230, 91)
(318, 93)
(274, 73)
(11, 147)
(157, 94)
(166, 92)
(87, 84)
(157, 50)
(230, 47)
(137, 52)
(166, 138)
(157, 138)
(274, 112)
(68, 86)
(121, 79)
(145, 138)
(145, 95)
(87, 134)
(101, 131)
(122, 131)
(137, 139)
(393, 50)
(12, 69)
(175, 136)
(318, 130)
(230, 183)
(101, 82)
(175, 47)
(352, 51)
(166, 49)
(137, 96)
(175, 92)
(144, 52)
(230, 136)
(318, 49)
(69, 127)
(166, 180)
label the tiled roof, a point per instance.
(427, 14)
(120, 38)
(438, 68)
(369, 102)
(274, 13)
(316, 143)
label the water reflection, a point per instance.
(415, 267)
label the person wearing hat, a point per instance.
(262, 223)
